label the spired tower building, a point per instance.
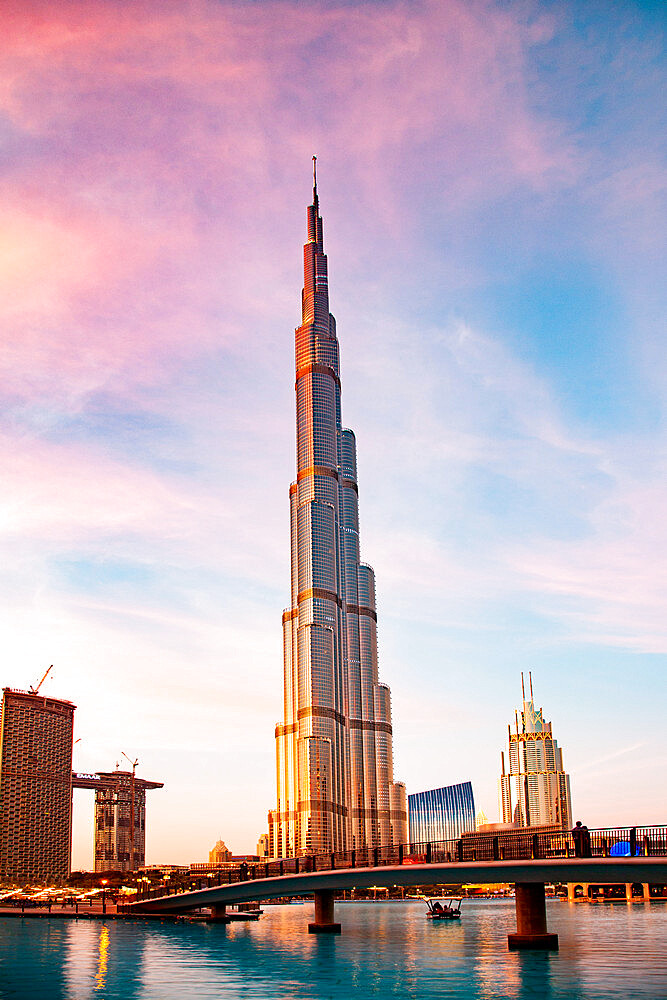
(536, 790)
(336, 788)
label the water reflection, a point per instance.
(101, 976)
(31, 952)
(103, 959)
(386, 950)
(618, 944)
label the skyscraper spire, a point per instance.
(334, 749)
(536, 790)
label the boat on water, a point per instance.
(447, 908)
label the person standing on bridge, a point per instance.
(582, 840)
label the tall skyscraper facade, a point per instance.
(441, 813)
(536, 790)
(336, 789)
(35, 786)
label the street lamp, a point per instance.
(104, 895)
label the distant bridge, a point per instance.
(519, 857)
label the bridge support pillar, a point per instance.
(531, 918)
(219, 913)
(324, 913)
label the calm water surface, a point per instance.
(385, 950)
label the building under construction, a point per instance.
(120, 818)
(36, 783)
(35, 786)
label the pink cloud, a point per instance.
(141, 108)
(50, 495)
(60, 284)
(613, 585)
(156, 150)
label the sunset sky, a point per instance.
(491, 178)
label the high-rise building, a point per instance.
(263, 846)
(536, 790)
(120, 818)
(35, 786)
(336, 789)
(219, 853)
(441, 813)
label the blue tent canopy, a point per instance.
(621, 849)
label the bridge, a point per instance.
(632, 854)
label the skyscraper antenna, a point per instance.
(530, 678)
(523, 693)
(315, 179)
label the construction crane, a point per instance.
(134, 767)
(35, 690)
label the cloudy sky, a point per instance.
(491, 177)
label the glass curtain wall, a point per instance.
(441, 813)
(335, 787)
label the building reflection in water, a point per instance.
(101, 976)
(79, 956)
(385, 950)
(101, 959)
(494, 969)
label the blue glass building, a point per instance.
(441, 814)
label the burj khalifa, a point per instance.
(334, 758)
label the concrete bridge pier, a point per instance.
(324, 913)
(531, 918)
(219, 913)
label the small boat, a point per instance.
(444, 909)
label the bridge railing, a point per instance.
(507, 845)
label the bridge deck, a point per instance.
(595, 870)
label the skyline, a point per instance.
(494, 230)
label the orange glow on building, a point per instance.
(336, 789)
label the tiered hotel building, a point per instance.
(536, 790)
(336, 789)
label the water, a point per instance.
(385, 950)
